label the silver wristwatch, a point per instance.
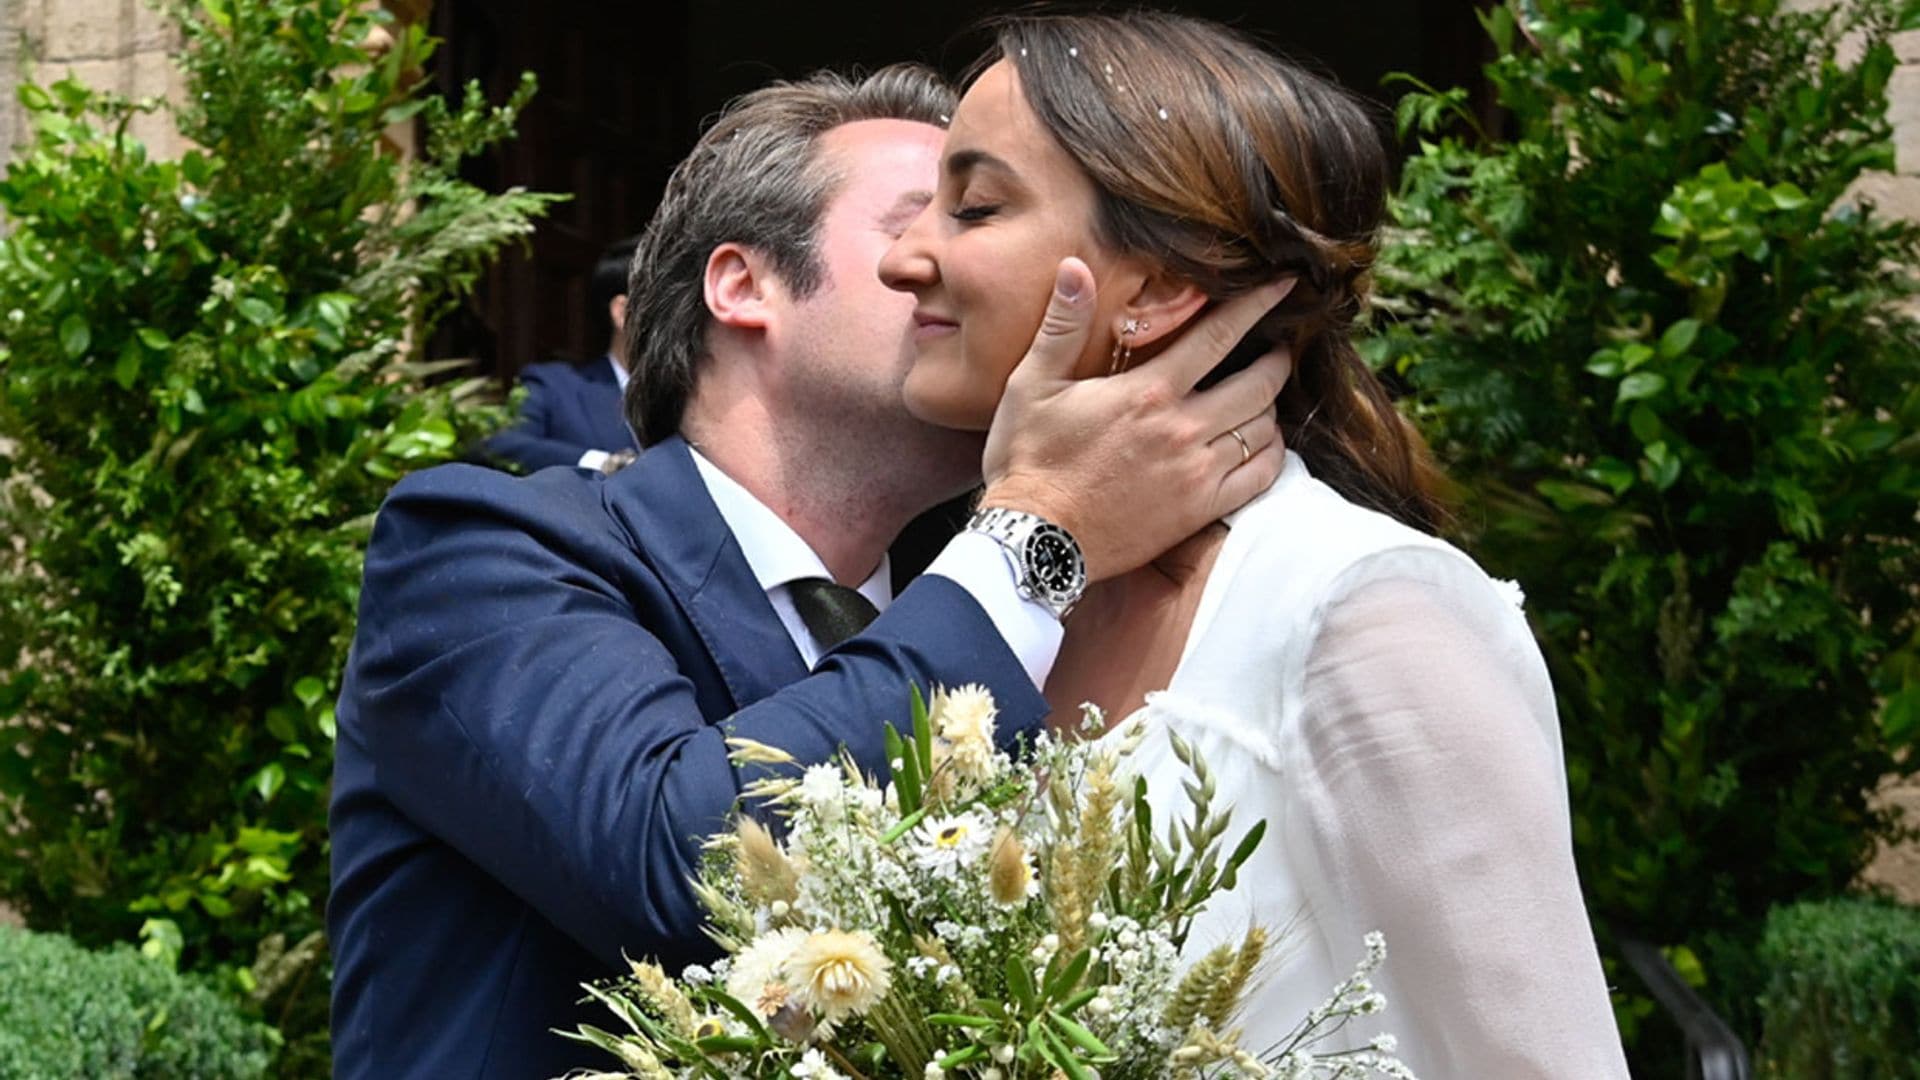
(1047, 565)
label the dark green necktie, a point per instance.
(833, 613)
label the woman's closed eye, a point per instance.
(974, 213)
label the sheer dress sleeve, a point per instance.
(1432, 790)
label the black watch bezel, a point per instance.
(1056, 578)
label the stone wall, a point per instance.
(120, 45)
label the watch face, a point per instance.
(1054, 561)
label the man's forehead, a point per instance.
(886, 168)
(882, 138)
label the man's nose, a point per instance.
(909, 264)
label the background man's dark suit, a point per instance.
(531, 745)
(569, 409)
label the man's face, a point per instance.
(849, 345)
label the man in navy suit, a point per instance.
(532, 728)
(571, 414)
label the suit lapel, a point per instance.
(671, 521)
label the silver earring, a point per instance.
(1122, 356)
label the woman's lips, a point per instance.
(926, 327)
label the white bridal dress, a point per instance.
(1378, 700)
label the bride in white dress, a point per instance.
(1358, 684)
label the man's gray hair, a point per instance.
(753, 179)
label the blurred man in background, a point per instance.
(572, 413)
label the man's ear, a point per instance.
(736, 285)
(1160, 307)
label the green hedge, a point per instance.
(67, 1012)
(1843, 995)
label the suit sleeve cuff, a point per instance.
(980, 566)
(593, 459)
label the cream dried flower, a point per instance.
(766, 874)
(759, 977)
(840, 974)
(1010, 874)
(965, 720)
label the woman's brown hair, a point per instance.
(1228, 166)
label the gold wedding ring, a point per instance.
(1246, 452)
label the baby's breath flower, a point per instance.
(822, 791)
(813, 1065)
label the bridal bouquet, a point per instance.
(979, 916)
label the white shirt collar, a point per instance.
(619, 374)
(777, 554)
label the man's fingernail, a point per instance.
(1067, 285)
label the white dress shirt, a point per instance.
(597, 459)
(778, 557)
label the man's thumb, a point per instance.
(1063, 332)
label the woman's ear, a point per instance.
(1161, 307)
(736, 285)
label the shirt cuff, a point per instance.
(982, 567)
(593, 459)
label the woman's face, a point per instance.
(981, 258)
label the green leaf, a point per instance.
(256, 311)
(1020, 983)
(1080, 1036)
(1787, 196)
(126, 369)
(1687, 965)
(1065, 978)
(154, 339)
(966, 1055)
(283, 723)
(269, 780)
(326, 723)
(1566, 496)
(961, 1020)
(1640, 385)
(1244, 850)
(1662, 466)
(309, 691)
(161, 940)
(905, 825)
(922, 735)
(75, 336)
(1900, 717)
(34, 98)
(1062, 1057)
(1679, 338)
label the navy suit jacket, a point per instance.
(569, 409)
(531, 747)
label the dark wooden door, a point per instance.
(605, 128)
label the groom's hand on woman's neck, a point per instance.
(1132, 464)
